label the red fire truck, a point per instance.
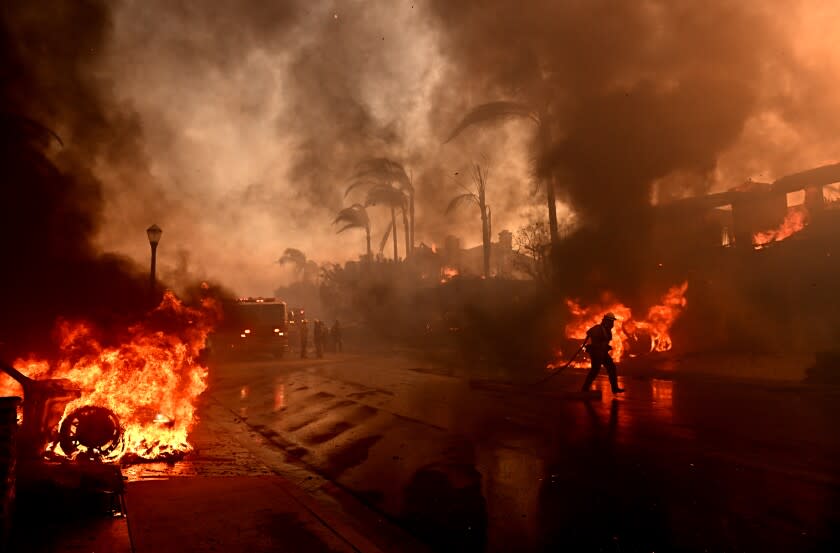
(252, 326)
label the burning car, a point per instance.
(133, 399)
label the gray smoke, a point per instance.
(235, 125)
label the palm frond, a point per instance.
(293, 256)
(383, 170)
(359, 182)
(460, 199)
(493, 112)
(349, 226)
(355, 215)
(30, 128)
(385, 195)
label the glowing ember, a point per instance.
(795, 220)
(627, 331)
(150, 381)
(447, 273)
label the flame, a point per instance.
(795, 220)
(150, 381)
(656, 324)
(726, 238)
(831, 193)
(447, 273)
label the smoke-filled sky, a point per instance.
(236, 125)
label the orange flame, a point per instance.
(795, 220)
(627, 330)
(831, 193)
(151, 381)
(447, 273)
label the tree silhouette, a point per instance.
(294, 257)
(383, 171)
(494, 112)
(393, 198)
(353, 217)
(477, 197)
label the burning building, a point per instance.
(761, 259)
(755, 214)
(454, 260)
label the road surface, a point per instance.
(674, 464)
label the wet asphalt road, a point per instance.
(682, 464)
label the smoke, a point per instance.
(63, 135)
(651, 100)
(631, 92)
(236, 125)
(51, 199)
(254, 119)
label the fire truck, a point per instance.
(252, 326)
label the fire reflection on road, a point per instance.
(244, 393)
(503, 470)
(662, 393)
(279, 396)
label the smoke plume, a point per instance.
(235, 126)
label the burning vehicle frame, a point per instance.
(86, 416)
(85, 434)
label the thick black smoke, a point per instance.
(631, 91)
(51, 201)
(628, 93)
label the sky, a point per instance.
(236, 126)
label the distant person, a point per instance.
(318, 336)
(599, 337)
(336, 336)
(304, 337)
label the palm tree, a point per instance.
(387, 195)
(295, 257)
(379, 171)
(385, 236)
(499, 111)
(355, 216)
(478, 198)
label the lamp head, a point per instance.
(154, 232)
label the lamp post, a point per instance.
(153, 232)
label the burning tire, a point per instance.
(90, 430)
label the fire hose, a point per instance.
(569, 362)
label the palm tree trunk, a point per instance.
(552, 212)
(545, 145)
(367, 235)
(394, 233)
(485, 231)
(411, 215)
(407, 233)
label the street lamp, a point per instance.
(153, 232)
